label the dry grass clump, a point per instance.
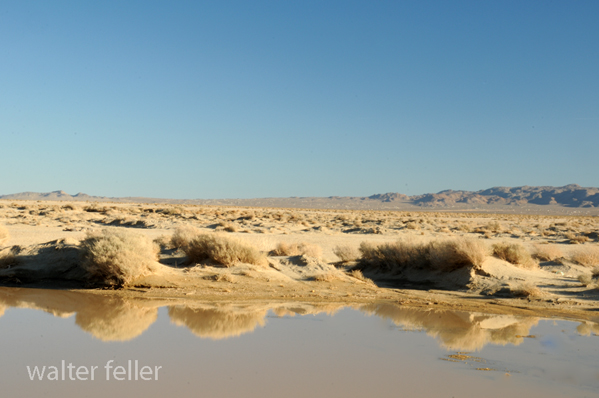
(163, 241)
(494, 226)
(183, 235)
(222, 249)
(585, 279)
(588, 256)
(346, 253)
(514, 253)
(226, 278)
(576, 239)
(8, 257)
(116, 257)
(444, 255)
(393, 256)
(4, 235)
(527, 290)
(297, 249)
(413, 225)
(328, 277)
(94, 208)
(220, 278)
(456, 253)
(227, 226)
(547, 252)
(356, 273)
(465, 227)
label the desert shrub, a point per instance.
(170, 211)
(328, 277)
(8, 257)
(248, 215)
(465, 227)
(297, 249)
(577, 239)
(368, 252)
(547, 252)
(163, 241)
(116, 257)
(94, 208)
(346, 253)
(4, 235)
(585, 279)
(222, 250)
(494, 226)
(356, 273)
(453, 254)
(220, 278)
(588, 256)
(514, 253)
(393, 256)
(444, 255)
(527, 290)
(227, 226)
(412, 225)
(230, 227)
(183, 235)
(226, 278)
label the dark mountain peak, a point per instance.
(389, 197)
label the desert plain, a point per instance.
(497, 263)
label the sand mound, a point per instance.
(306, 268)
(57, 259)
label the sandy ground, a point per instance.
(45, 237)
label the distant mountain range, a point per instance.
(572, 195)
(569, 196)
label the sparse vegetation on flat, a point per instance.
(220, 250)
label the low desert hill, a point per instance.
(569, 199)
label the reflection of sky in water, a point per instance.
(292, 349)
(549, 342)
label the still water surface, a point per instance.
(283, 350)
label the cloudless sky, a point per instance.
(240, 99)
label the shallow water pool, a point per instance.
(157, 348)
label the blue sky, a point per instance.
(240, 99)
